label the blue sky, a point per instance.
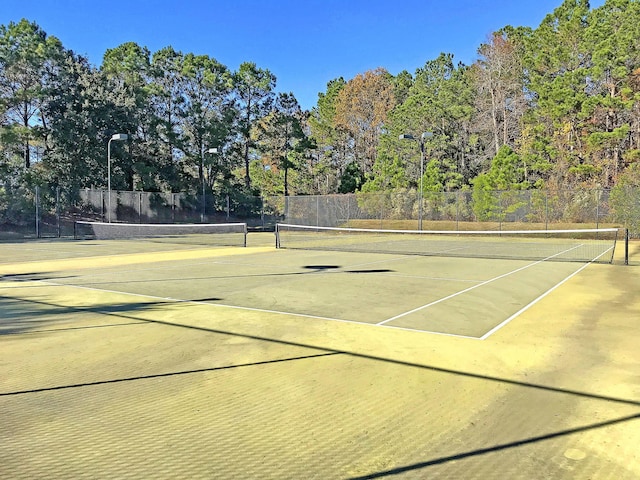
(305, 43)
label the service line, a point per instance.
(481, 284)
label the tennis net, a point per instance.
(582, 245)
(222, 234)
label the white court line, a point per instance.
(453, 295)
(532, 303)
(259, 310)
(196, 302)
(316, 317)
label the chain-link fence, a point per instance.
(50, 212)
(46, 212)
(465, 210)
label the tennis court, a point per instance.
(138, 358)
(456, 296)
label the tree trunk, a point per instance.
(494, 118)
(247, 177)
(25, 123)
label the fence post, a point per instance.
(546, 210)
(173, 207)
(597, 207)
(58, 228)
(286, 209)
(458, 210)
(37, 199)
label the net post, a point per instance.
(246, 232)
(626, 246)
(277, 231)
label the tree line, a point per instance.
(555, 107)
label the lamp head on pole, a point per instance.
(119, 136)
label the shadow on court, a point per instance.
(127, 313)
(32, 277)
(123, 397)
(495, 449)
(307, 270)
(41, 316)
(170, 374)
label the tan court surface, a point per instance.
(110, 369)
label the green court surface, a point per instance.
(138, 359)
(457, 296)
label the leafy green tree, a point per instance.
(29, 63)
(80, 115)
(126, 69)
(507, 171)
(441, 175)
(332, 142)
(254, 89)
(389, 173)
(282, 139)
(402, 84)
(557, 63)
(439, 101)
(352, 179)
(624, 198)
(167, 101)
(564, 97)
(193, 113)
(206, 94)
(505, 175)
(613, 32)
(611, 109)
(322, 119)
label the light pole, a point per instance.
(423, 138)
(211, 150)
(117, 137)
